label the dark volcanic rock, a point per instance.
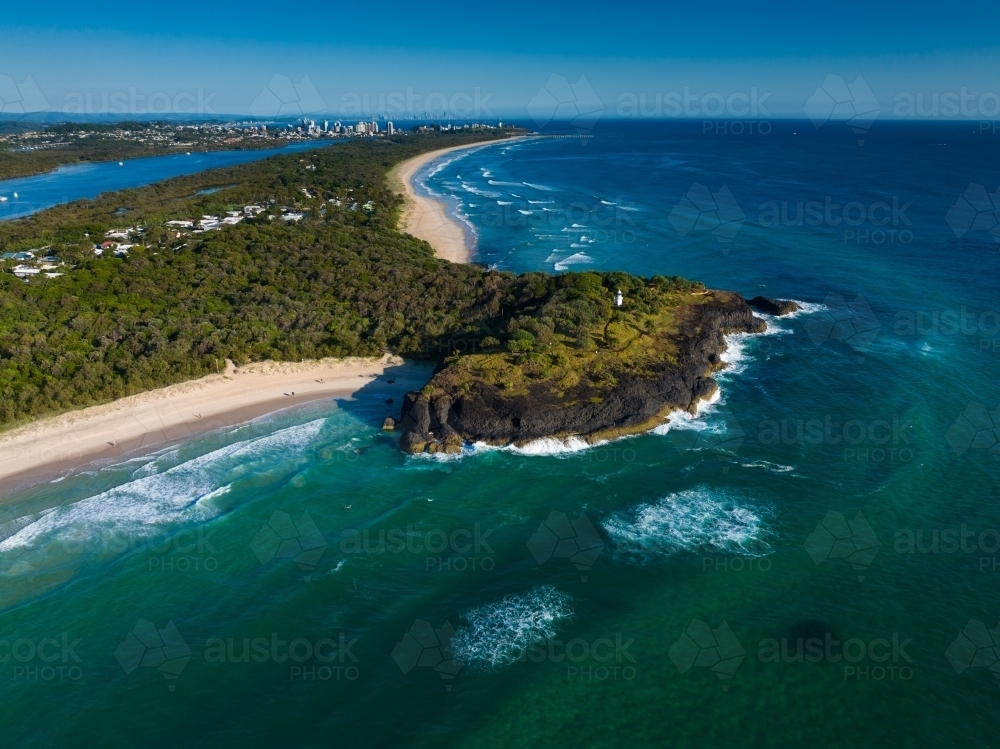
(774, 306)
(484, 413)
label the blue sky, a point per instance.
(493, 59)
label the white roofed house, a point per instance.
(25, 271)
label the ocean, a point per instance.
(812, 558)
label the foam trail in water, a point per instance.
(498, 634)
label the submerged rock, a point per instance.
(774, 306)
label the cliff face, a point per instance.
(442, 416)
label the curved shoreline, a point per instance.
(427, 218)
(59, 445)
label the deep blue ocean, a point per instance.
(813, 559)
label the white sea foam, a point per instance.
(735, 355)
(543, 188)
(524, 213)
(13, 527)
(498, 634)
(696, 421)
(540, 202)
(182, 493)
(504, 202)
(578, 258)
(551, 446)
(805, 308)
(698, 519)
(481, 193)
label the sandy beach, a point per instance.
(61, 444)
(426, 218)
(58, 445)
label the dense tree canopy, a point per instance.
(339, 282)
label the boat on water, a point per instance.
(3, 198)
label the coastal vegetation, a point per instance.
(337, 283)
(341, 281)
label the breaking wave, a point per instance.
(694, 520)
(182, 493)
(499, 633)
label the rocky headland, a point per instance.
(621, 375)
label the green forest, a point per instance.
(339, 282)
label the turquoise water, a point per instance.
(88, 180)
(299, 582)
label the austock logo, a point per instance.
(976, 428)
(282, 538)
(836, 537)
(703, 210)
(854, 323)
(20, 99)
(976, 646)
(703, 647)
(425, 646)
(835, 99)
(282, 98)
(147, 646)
(561, 538)
(976, 210)
(559, 99)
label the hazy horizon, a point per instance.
(729, 62)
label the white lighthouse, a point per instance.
(619, 298)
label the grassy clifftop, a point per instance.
(569, 339)
(569, 363)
